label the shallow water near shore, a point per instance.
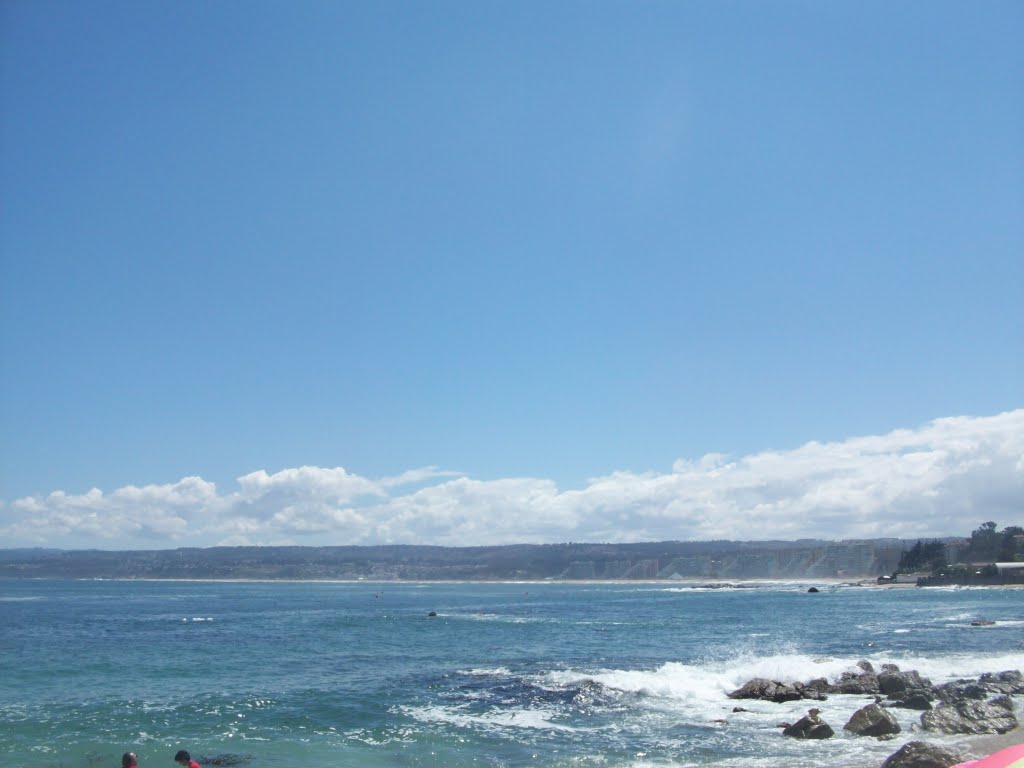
(359, 674)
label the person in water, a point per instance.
(184, 759)
(129, 760)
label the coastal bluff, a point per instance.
(668, 560)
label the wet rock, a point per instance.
(819, 685)
(972, 717)
(1011, 681)
(872, 720)
(890, 668)
(850, 682)
(810, 727)
(961, 690)
(899, 684)
(921, 754)
(814, 590)
(866, 666)
(1004, 702)
(916, 700)
(773, 690)
(767, 690)
(983, 623)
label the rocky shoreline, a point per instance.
(982, 708)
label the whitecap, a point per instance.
(539, 719)
(487, 672)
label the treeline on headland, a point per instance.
(989, 556)
(802, 559)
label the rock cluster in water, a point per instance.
(965, 706)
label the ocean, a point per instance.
(552, 675)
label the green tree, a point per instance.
(1009, 547)
(985, 542)
(923, 556)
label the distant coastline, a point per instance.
(939, 562)
(668, 562)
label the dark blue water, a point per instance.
(329, 674)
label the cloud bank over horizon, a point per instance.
(943, 478)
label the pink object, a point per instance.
(1011, 757)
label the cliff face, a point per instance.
(659, 560)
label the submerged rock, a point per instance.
(921, 754)
(226, 760)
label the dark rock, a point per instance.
(739, 709)
(772, 690)
(819, 685)
(890, 668)
(432, 614)
(760, 688)
(810, 727)
(850, 682)
(921, 754)
(814, 590)
(1004, 702)
(815, 692)
(961, 690)
(915, 700)
(866, 666)
(900, 683)
(1003, 682)
(971, 717)
(872, 720)
(983, 623)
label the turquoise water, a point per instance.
(358, 674)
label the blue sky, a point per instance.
(513, 242)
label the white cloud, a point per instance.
(153, 512)
(944, 478)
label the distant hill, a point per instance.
(19, 555)
(653, 560)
